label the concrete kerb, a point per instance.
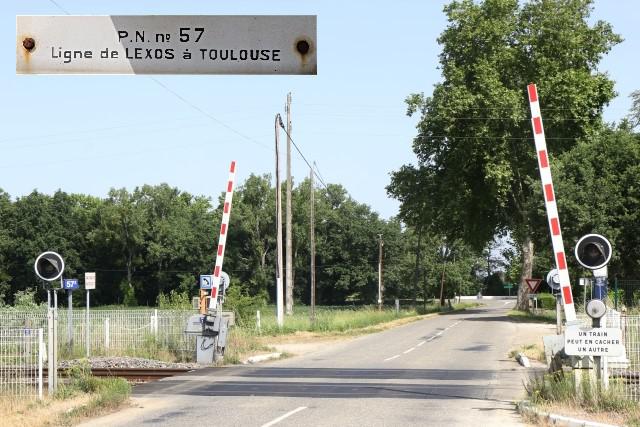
(262, 358)
(525, 408)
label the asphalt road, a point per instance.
(446, 370)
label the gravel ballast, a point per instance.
(119, 362)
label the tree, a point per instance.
(474, 145)
(6, 224)
(252, 238)
(599, 181)
(122, 228)
(634, 114)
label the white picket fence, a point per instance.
(21, 360)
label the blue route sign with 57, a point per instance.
(70, 284)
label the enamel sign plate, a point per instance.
(172, 44)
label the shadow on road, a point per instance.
(491, 319)
(374, 383)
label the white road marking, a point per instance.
(288, 414)
(507, 302)
(423, 342)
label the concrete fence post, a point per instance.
(258, 326)
(106, 334)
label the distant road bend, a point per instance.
(446, 370)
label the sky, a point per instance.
(87, 134)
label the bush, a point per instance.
(129, 294)
(25, 299)
(547, 301)
(174, 301)
(243, 305)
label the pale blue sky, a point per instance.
(86, 134)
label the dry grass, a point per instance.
(332, 325)
(81, 396)
(49, 412)
(557, 394)
(629, 417)
(532, 351)
(245, 343)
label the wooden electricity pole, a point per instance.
(312, 240)
(289, 273)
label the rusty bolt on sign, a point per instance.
(303, 47)
(29, 43)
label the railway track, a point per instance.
(135, 375)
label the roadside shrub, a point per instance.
(243, 305)
(555, 388)
(174, 300)
(547, 301)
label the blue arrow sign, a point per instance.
(205, 281)
(70, 284)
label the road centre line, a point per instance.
(422, 342)
(282, 417)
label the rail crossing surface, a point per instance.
(447, 370)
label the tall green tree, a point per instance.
(474, 146)
(600, 182)
(7, 221)
(121, 226)
(251, 242)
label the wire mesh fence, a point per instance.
(21, 358)
(624, 371)
(143, 333)
(625, 294)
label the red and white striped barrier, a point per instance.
(222, 240)
(550, 203)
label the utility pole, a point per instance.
(312, 240)
(380, 245)
(279, 294)
(444, 266)
(289, 275)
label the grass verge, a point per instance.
(106, 394)
(247, 341)
(532, 351)
(557, 394)
(542, 316)
(83, 396)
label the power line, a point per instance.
(195, 107)
(343, 115)
(83, 131)
(510, 138)
(60, 7)
(201, 111)
(315, 165)
(302, 155)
